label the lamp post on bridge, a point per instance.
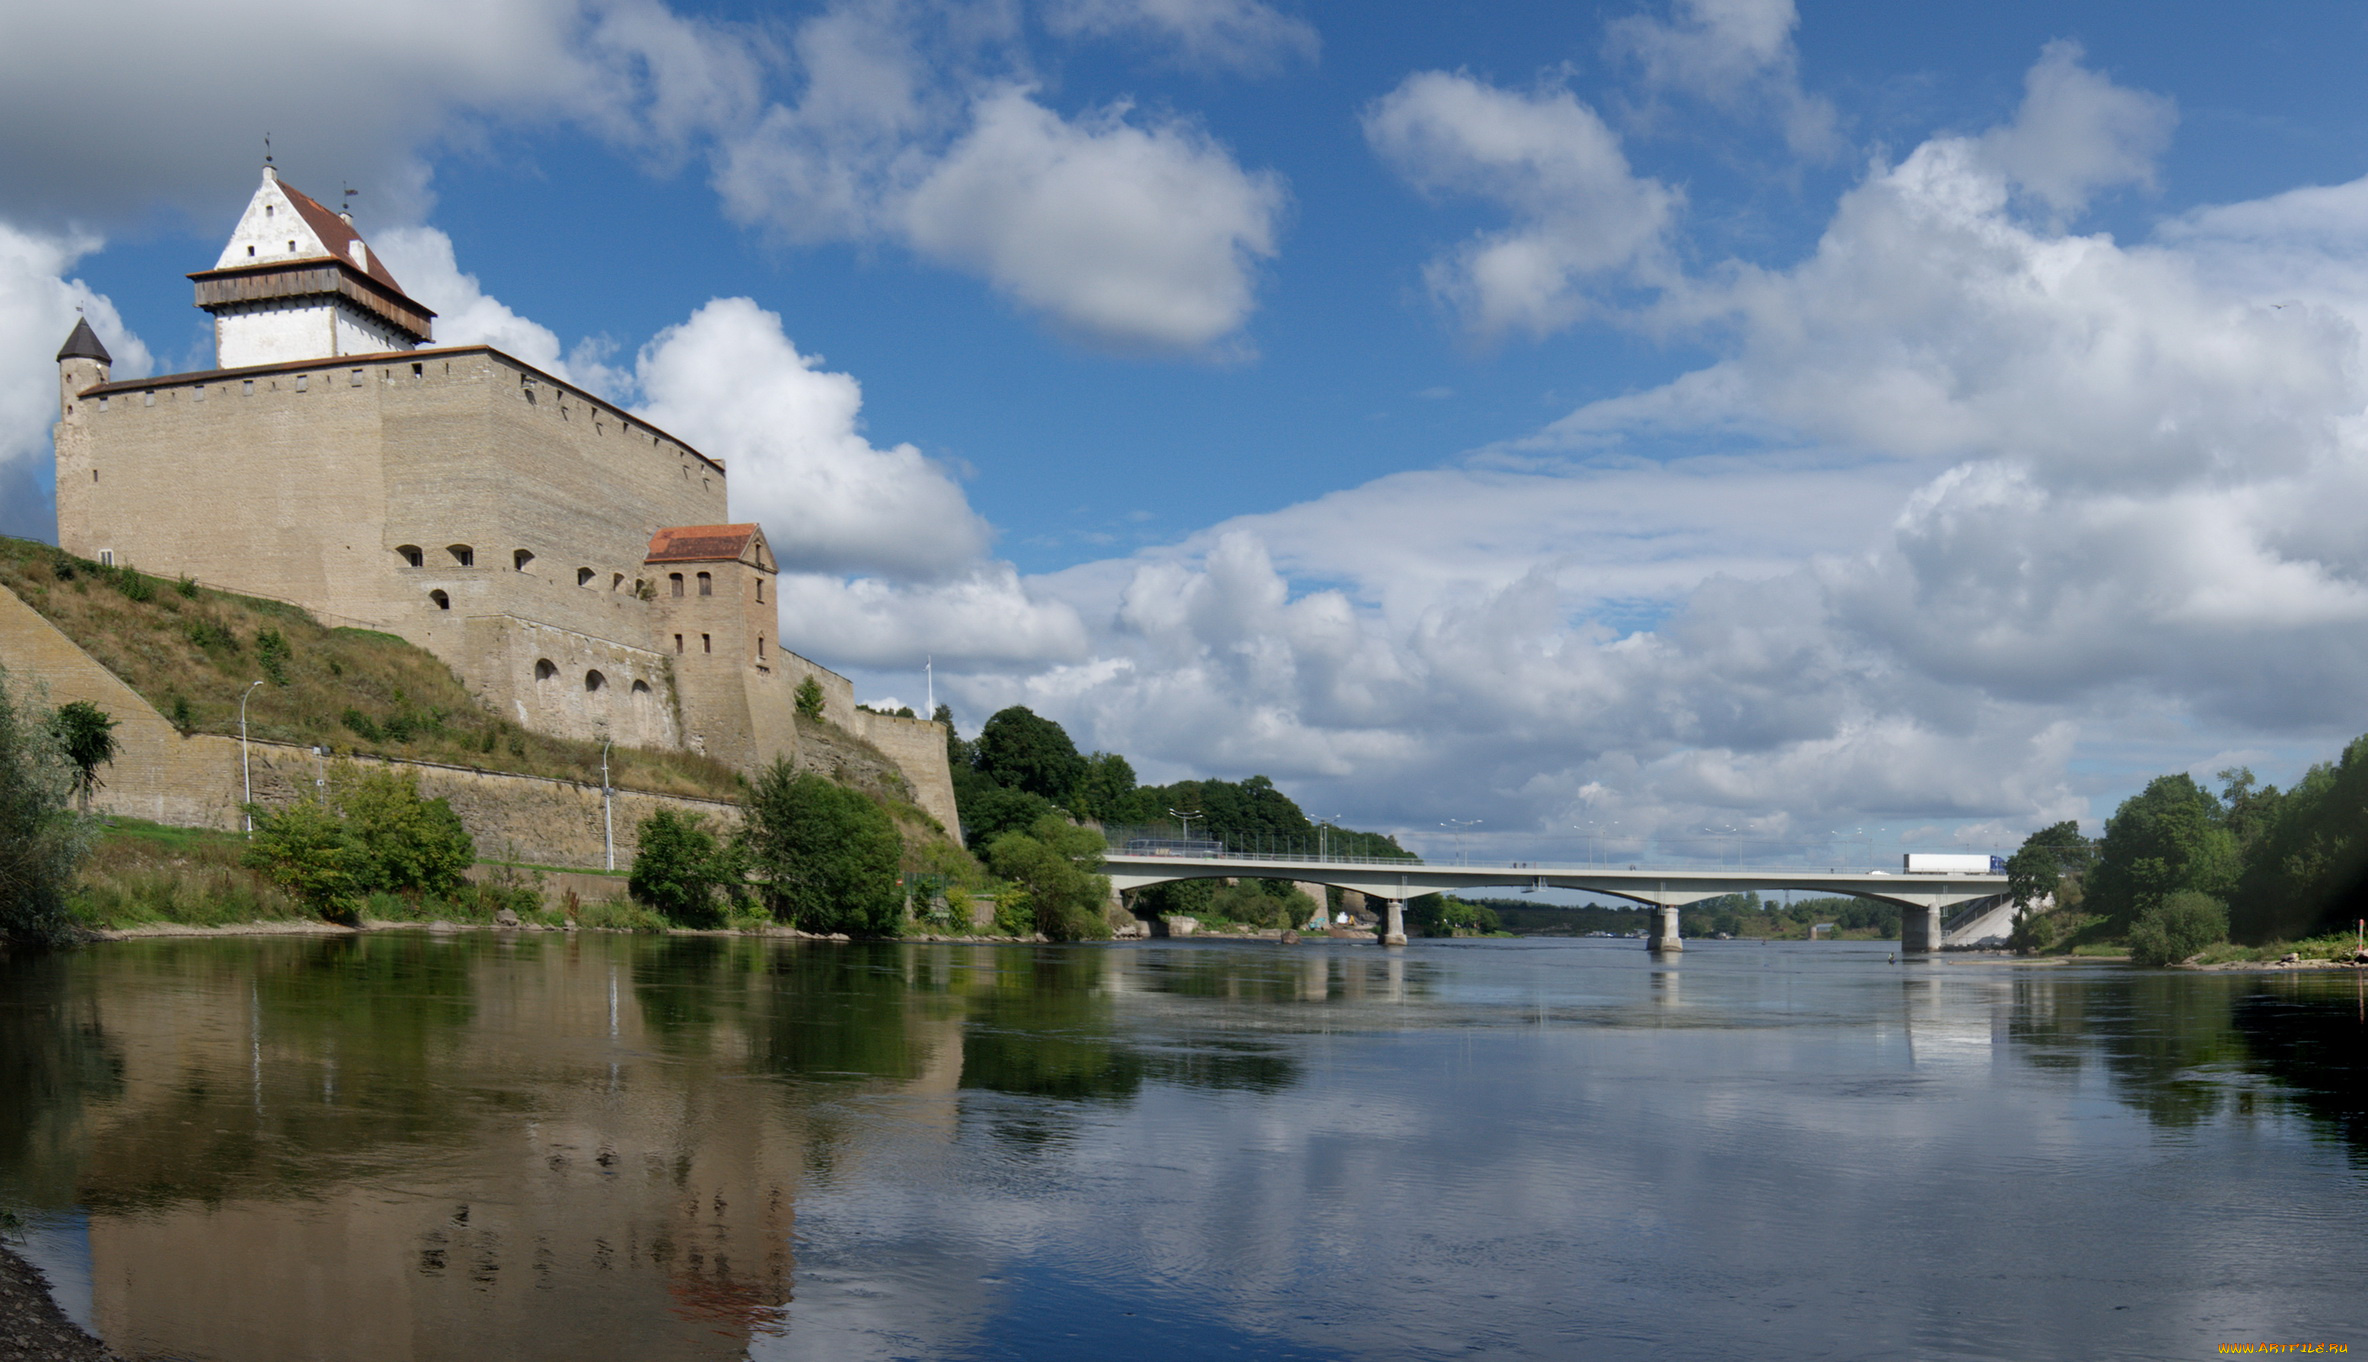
(1455, 827)
(1186, 819)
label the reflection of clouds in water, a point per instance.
(1688, 1166)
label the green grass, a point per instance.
(2335, 946)
(192, 652)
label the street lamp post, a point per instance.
(1324, 837)
(246, 775)
(608, 825)
(1455, 827)
(1186, 819)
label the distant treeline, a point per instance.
(1022, 766)
(1742, 915)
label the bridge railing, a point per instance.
(1173, 840)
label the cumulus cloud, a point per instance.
(1992, 498)
(1144, 234)
(421, 259)
(1120, 228)
(38, 306)
(94, 129)
(1238, 35)
(1736, 54)
(1583, 220)
(2077, 132)
(730, 381)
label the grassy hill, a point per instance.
(191, 652)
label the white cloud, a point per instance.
(730, 381)
(38, 305)
(2077, 132)
(1239, 35)
(421, 260)
(1992, 497)
(984, 619)
(169, 105)
(1735, 54)
(1583, 221)
(1120, 228)
(1148, 235)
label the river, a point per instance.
(405, 1145)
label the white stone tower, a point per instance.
(297, 282)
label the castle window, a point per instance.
(246, 389)
(616, 581)
(706, 644)
(107, 559)
(94, 475)
(545, 669)
(410, 554)
(418, 370)
(584, 576)
(267, 213)
(520, 558)
(706, 585)
(674, 580)
(357, 378)
(443, 602)
(760, 647)
(291, 248)
(678, 645)
(198, 393)
(250, 250)
(641, 692)
(303, 381)
(103, 401)
(148, 397)
(760, 591)
(594, 681)
(462, 554)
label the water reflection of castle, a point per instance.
(405, 1146)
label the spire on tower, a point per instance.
(83, 343)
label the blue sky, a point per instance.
(1534, 412)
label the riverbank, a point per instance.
(315, 927)
(32, 1327)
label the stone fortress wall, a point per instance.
(574, 565)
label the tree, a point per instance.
(86, 733)
(1108, 779)
(2036, 870)
(2166, 838)
(401, 843)
(42, 841)
(302, 848)
(680, 867)
(2306, 864)
(809, 699)
(989, 810)
(1020, 750)
(828, 855)
(2171, 931)
(1057, 862)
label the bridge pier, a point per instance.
(1663, 936)
(1919, 930)
(1393, 923)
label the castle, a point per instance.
(576, 566)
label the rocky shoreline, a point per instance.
(32, 1327)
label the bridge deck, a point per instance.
(1664, 886)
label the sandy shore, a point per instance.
(32, 1328)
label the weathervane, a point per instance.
(267, 148)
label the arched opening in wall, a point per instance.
(410, 555)
(674, 582)
(760, 591)
(443, 602)
(594, 682)
(644, 721)
(462, 554)
(545, 669)
(584, 576)
(616, 581)
(706, 585)
(519, 558)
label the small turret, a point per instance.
(83, 362)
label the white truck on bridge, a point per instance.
(1936, 863)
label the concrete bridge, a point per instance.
(1922, 899)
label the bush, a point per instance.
(680, 868)
(375, 836)
(1055, 863)
(41, 839)
(828, 855)
(809, 699)
(2179, 927)
(271, 653)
